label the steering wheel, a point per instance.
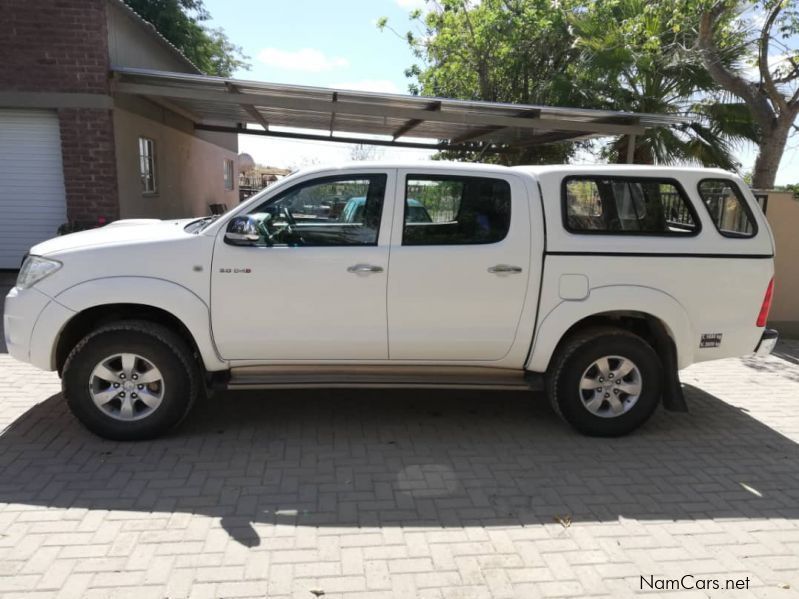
(264, 231)
(286, 214)
(289, 233)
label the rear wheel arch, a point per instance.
(646, 326)
(616, 404)
(645, 311)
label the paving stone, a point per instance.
(386, 493)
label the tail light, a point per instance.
(766, 306)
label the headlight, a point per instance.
(34, 269)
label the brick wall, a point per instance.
(62, 46)
(54, 45)
(90, 175)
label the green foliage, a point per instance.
(626, 55)
(514, 51)
(180, 22)
(441, 199)
(793, 187)
(636, 56)
(768, 31)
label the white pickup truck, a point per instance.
(596, 284)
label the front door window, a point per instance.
(334, 211)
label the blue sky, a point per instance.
(317, 42)
(323, 43)
(336, 44)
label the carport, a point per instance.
(324, 114)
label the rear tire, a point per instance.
(130, 380)
(582, 393)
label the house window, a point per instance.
(147, 165)
(228, 170)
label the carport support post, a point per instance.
(630, 149)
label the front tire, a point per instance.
(130, 380)
(605, 382)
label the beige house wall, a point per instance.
(189, 170)
(189, 163)
(783, 216)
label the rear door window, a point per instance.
(728, 208)
(452, 210)
(626, 205)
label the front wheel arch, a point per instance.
(178, 377)
(95, 317)
(132, 296)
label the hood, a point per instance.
(120, 232)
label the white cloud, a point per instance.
(428, 5)
(411, 4)
(297, 153)
(305, 59)
(383, 86)
(752, 71)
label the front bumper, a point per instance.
(22, 309)
(767, 342)
(31, 324)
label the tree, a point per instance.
(773, 98)
(792, 187)
(610, 54)
(633, 58)
(180, 22)
(362, 152)
(515, 51)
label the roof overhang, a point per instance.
(156, 35)
(251, 107)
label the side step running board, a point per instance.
(334, 376)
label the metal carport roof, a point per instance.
(219, 104)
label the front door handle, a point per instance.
(504, 269)
(360, 269)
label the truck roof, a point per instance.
(638, 169)
(535, 170)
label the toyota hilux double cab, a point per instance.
(595, 284)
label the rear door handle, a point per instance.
(504, 269)
(359, 269)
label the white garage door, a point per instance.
(32, 198)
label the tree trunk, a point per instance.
(772, 146)
(621, 149)
(771, 111)
(641, 155)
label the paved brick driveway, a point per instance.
(414, 494)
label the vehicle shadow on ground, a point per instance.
(405, 458)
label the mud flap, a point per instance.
(673, 397)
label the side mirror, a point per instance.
(242, 230)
